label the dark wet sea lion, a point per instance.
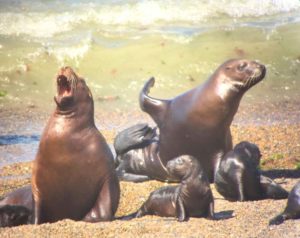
(14, 215)
(137, 155)
(292, 209)
(237, 177)
(73, 173)
(198, 122)
(191, 198)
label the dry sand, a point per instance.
(280, 146)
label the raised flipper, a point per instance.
(156, 108)
(271, 189)
(136, 136)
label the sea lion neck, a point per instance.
(225, 89)
(83, 115)
(190, 184)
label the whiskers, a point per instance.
(253, 79)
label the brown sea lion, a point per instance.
(237, 177)
(73, 173)
(198, 122)
(292, 209)
(191, 198)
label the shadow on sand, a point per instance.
(281, 173)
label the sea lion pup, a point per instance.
(191, 198)
(14, 215)
(198, 121)
(137, 155)
(292, 210)
(237, 177)
(73, 173)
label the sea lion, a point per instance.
(14, 215)
(191, 198)
(237, 177)
(198, 121)
(137, 156)
(292, 209)
(19, 197)
(73, 173)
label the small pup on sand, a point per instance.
(191, 198)
(237, 177)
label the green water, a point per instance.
(120, 68)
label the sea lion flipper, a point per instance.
(156, 108)
(180, 211)
(136, 136)
(271, 189)
(211, 210)
(277, 220)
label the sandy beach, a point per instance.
(280, 146)
(116, 46)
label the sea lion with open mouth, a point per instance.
(73, 173)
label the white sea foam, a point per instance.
(39, 21)
(75, 53)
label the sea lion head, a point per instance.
(182, 166)
(14, 215)
(241, 74)
(249, 150)
(72, 91)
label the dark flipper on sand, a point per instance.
(278, 219)
(271, 189)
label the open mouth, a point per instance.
(64, 86)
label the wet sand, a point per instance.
(275, 128)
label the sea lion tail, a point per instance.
(156, 108)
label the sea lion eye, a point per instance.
(242, 66)
(179, 161)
